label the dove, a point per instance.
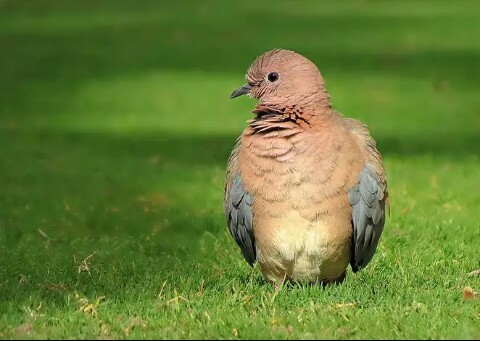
(305, 192)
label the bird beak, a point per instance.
(241, 91)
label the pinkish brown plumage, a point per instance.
(305, 191)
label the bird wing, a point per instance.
(369, 199)
(238, 208)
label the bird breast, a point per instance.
(301, 214)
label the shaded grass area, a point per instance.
(115, 132)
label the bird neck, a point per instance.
(294, 118)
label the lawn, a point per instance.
(115, 129)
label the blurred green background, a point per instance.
(115, 129)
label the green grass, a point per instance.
(115, 129)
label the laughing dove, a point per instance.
(305, 191)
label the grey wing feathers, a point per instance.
(238, 210)
(239, 219)
(368, 216)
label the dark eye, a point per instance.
(272, 76)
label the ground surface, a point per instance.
(115, 131)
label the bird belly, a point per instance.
(301, 250)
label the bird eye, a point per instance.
(272, 76)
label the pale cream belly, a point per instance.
(295, 248)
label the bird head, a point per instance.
(285, 78)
